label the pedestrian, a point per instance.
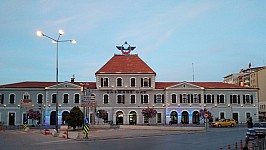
(250, 136)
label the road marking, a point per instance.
(50, 142)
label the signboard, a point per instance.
(88, 101)
(26, 103)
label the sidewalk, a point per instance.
(125, 131)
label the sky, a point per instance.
(180, 40)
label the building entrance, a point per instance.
(119, 118)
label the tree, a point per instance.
(102, 114)
(33, 115)
(75, 118)
(149, 113)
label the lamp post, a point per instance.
(60, 33)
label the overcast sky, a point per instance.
(218, 37)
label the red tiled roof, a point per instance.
(33, 84)
(207, 85)
(125, 64)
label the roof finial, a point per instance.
(125, 48)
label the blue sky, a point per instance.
(219, 37)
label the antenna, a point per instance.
(193, 71)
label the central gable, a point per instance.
(184, 85)
(64, 85)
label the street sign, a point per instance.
(88, 101)
(206, 115)
(86, 121)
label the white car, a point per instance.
(260, 128)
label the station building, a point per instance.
(125, 86)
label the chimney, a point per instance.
(73, 78)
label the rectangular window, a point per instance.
(222, 115)
(184, 98)
(220, 99)
(76, 99)
(65, 100)
(234, 99)
(158, 98)
(54, 98)
(248, 115)
(39, 98)
(120, 99)
(105, 99)
(105, 82)
(173, 98)
(159, 117)
(1, 98)
(145, 82)
(208, 98)
(132, 82)
(26, 96)
(12, 98)
(144, 99)
(119, 82)
(133, 99)
(247, 99)
(195, 98)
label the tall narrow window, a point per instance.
(39, 98)
(1, 98)
(105, 99)
(54, 98)
(173, 98)
(133, 82)
(76, 98)
(119, 82)
(145, 82)
(144, 99)
(12, 98)
(133, 99)
(120, 99)
(104, 82)
(65, 98)
(26, 96)
(159, 117)
(195, 98)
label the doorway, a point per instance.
(53, 118)
(173, 117)
(184, 119)
(11, 119)
(119, 118)
(132, 118)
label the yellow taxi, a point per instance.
(224, 123)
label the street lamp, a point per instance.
(60, 33)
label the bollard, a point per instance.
(236, 146)
(241, 145)
(229, 147)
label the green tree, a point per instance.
(102, 114)
(75, 118)
(149, 113)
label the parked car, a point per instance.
(260, 128)
(224, 123)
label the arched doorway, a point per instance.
(119, 117)
(65, 114)
(173, 117)
(132, 118)
(185, 119)
(53, 118)
(195, 117)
